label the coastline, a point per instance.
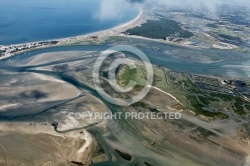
(112, 31)
(117, 30)
(7, 51)
(15, 49)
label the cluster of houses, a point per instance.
(12, 49)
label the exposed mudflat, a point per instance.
(38, 94)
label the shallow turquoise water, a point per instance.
(24, 21)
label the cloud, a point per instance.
(114, 9)
(208, 5)
(111, 10)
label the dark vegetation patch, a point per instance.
(239, 109)
(247, 106)
(239, 106)
(204, 100)
(160, 29)
(199, 108)
(222, 96)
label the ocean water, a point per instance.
(24, 21)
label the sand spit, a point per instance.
(68, 41)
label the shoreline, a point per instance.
(117, 30)
(15, 49)
(114, 30)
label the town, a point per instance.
(13, 49)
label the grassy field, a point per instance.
(209, 103)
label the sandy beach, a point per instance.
(117, 30)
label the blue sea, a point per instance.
(23, 21)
